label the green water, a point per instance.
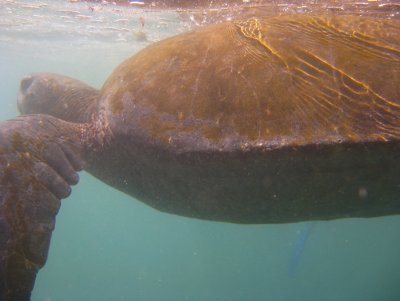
(108, 246)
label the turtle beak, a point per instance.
(23, 95)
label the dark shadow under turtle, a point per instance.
(265, 120)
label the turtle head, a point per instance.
(58, 96)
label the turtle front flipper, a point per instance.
(39, 159)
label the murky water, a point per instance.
(108, 246)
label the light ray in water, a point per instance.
(299, 248)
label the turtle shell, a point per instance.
(264, 120)
(265, 82)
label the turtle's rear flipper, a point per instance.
(39, 157)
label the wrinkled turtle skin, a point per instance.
(264, 120)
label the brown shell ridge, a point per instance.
(365, 42)
(251, 28)
(308, 71)
(350, 90)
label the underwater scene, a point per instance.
(108, 246)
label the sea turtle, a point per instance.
(262, 120)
